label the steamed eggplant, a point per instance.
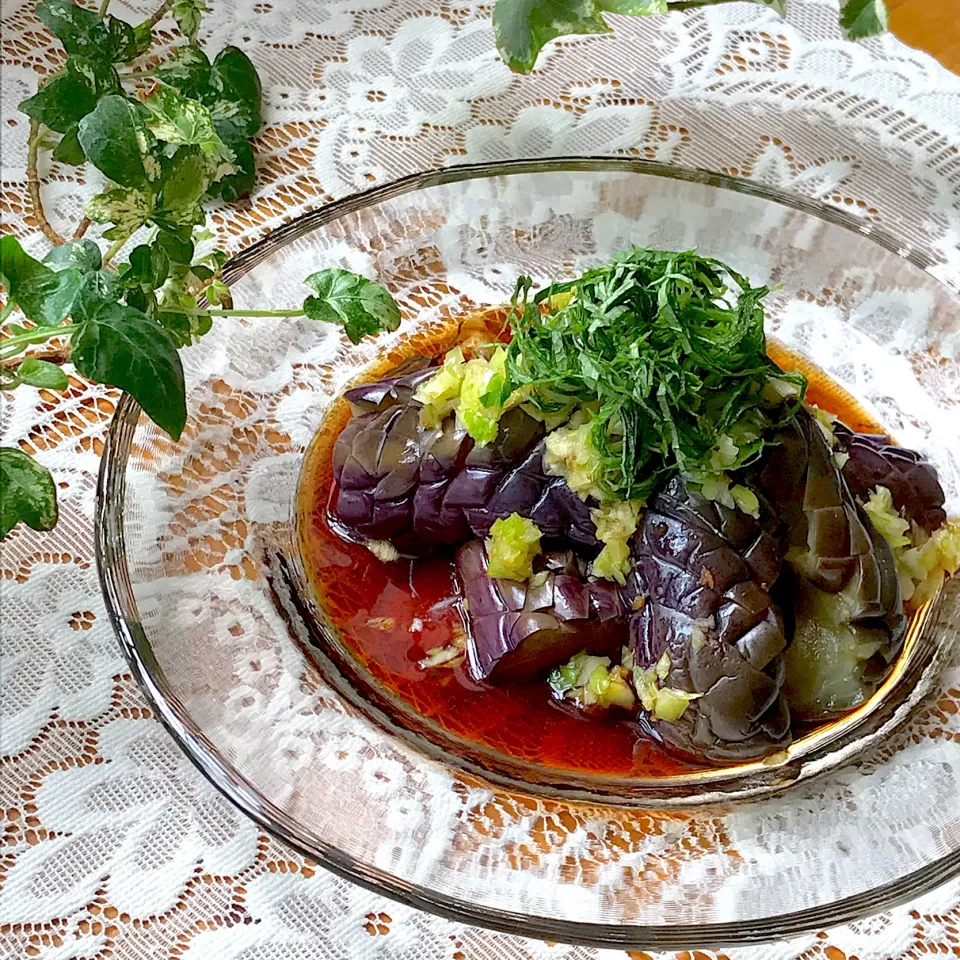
(398, 481)
(847, 609)
(423, 488)
(518, 630)
(643, 506)
(397, 389)
(701, 611)
(872, 461)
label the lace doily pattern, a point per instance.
(114, 846)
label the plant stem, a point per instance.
(81, 228)
(103, 8)
(160, 13)
(201, 312)
(37, 335)
(114, 249)
(138, 74)
(33, 187)
(8, 308)
(58, 355)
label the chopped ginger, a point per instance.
(922, 560)
(616, 522)
(512, 546)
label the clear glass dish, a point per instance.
(202, 576)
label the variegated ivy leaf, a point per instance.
(188, 14)
(125, 207)
(179, 120)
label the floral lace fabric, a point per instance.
(113, 844)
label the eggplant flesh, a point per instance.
(700, 593)
(423, 489)
(517, 631)
(873, 461)
(847, 612)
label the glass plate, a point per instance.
(198, 560)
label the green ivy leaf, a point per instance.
(69, 97)
(215, 259)
(201, 272)
(68, 150)
(237, 185)
(125, 207)
(27, 492)
(122, 42)
(187, 69)
(362, 307)
(121, 347)
(42, 373)
(149, 266)
(142, 38)
(863, 18)
(177, 250)
(61, 103)
(188, 14)
(183, 328)
(142, 299)
(522, 27)
(99, 285)
(82, 254)
(115, 138)
(83, 33)
(235, 96)
(45, 296)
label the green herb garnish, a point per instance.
(665, 354)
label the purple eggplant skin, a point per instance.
(424, 489)
(517, 631)
(562, 517)
(847, 609)
(911, 479)
(397, 481)
(700, 591)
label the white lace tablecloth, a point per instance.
(113, 845)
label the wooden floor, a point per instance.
(931, 25)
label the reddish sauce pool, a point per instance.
(389, 615)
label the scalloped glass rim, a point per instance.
(118, 594)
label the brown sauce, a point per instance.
(377, 606)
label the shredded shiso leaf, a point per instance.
(651, 364)
(667, 351)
